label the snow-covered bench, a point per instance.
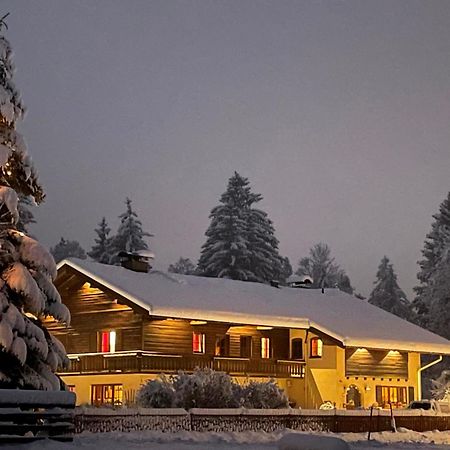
(27, 415)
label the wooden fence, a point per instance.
(32, 415)
(173, 420)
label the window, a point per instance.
(222, 345)
(245, 346)
(107, 341)
(198, 342)
(396, 395)
(106, 394)
(316, 348)
(297, 348)
(266, 349)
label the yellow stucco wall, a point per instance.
(324, 380)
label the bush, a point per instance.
(157, 393)
(265, 395)
(206, 388)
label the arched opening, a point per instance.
(353, 397)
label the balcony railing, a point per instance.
(132, 362)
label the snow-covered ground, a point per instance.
(402, 440)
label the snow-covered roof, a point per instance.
(348, 319)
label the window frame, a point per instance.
(385, 395)
(107, 339)
(315, 347)
(200, 350)
(300, 346)
(116, 397)
(266, 349)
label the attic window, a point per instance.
(108, 341)
(316, 348)
(198, 342)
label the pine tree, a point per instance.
(387, 294)
(67, 249)
(100, 251)
(25, 215)
(183, 266)
(438, 289)
(29, 355)
(241, 242)
(436, 242)
(130, 235)
(286, 270)
(324, 272)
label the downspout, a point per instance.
(306, 368)
(419, 376)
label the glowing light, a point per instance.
(86, 285)
(112, 341)
(264, 328)
(198, 322)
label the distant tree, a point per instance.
(321, 268)
(387, 294)
(241, 242)
(100, 250)
(67, 249)
(26, 217)
(438, 315)
(286, 269)
(183, 266)
(436, 242)
(130, 235)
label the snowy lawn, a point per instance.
(403, 440)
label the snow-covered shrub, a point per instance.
(205, 388)
(157, 393)
(441, 386)
(264, 395)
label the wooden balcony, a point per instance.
(144, 362)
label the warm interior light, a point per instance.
(86, 285)
(198, 322)
(263, 327)
(112, 341)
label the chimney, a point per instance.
(136, 261)
(275, 283)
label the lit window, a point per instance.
(107, 394)
(198, 342)
(316, 348)
(265, 347)
(297, 348)
(108, 341)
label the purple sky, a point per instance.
(337, 111)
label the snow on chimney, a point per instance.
(136, 261)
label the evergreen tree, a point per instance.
(438, 317)
(67, 249)
(321, 268)
(436, 242)
(130, 235)
(100, 251)
(183, 266)
(29, 355)
(387, 294)
(240, 243)
(286, 270)
(25, 215)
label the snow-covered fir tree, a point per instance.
(441, 386)
(286, 269)
(241, 242)
(130, 235)
(387, 294)
(438, 290)
(100, 250)
(436, 242)
(26, 217)
(183, 266)
(29, 355)
(67, 249)
(323, 271)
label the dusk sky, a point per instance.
(337, 112)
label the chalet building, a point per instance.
(129, 326)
